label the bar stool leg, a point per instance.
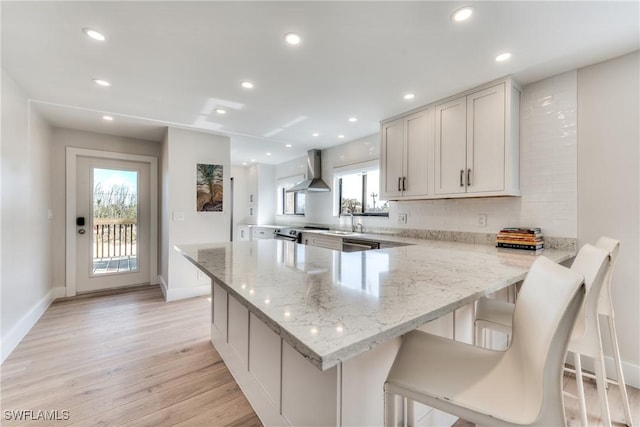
(577, 363)
(601, 382)
(618, 363)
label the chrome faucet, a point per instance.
(359, 225)
(351, 215)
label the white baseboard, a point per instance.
(59, 292)
(163, 287)
(631, 372)
(11, 340)
(174, 294)
(183, 293)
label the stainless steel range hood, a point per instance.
(314, 182)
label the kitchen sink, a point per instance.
(339, 233)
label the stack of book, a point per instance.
(520, 238)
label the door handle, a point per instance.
(404, 183)
(399, 182)
(468, 176)
(461, 177)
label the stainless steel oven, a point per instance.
(290, 234)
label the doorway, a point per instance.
(111, 220)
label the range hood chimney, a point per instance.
(314, 182)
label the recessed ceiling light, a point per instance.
(244, 163)
(462, 14)
(288, 145)
(353, 119)
(268, 154)
(341, 136)
(107, 118)
(315, 134)
(94, 34)
(221, 111)
(247, 85)
(503, 57)
(409, 96)
(101, 82)
(253, 160)
(292, 38)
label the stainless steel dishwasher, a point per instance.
(355, 245)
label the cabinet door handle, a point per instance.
(399, 183)
(404, 183)
(468, 176)
(461, 177)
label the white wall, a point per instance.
(609, 184)
(26, 284)
(61, 139)
(548, 175)
(183, 151)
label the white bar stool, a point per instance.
(519, 386)
(586, 339)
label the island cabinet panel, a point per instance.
(463, 324)
(220, 309)
(442, 326)
(264, 358)
(362, 382)
(309, 395)
(238, 329)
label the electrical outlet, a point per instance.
(482, 220)
(402, 218)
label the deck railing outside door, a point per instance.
(114, 237)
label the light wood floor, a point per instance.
(130, 359)
(124, 359)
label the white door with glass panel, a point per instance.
(112, 223)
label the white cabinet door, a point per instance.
(486, 140)
(406, 156)
(392, 164)
(451, 146)
(418, 130)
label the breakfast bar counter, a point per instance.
(310, 333)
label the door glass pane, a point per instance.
(115, 220)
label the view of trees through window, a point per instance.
(115, 199)
(360, 194)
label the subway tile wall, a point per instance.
(548, 173)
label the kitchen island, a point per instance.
(310, 333)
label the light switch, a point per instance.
(178, 216)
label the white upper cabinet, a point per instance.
(451, 147)
(405, 156)
(464, 146)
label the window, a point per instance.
(359, 189)
(290, 203)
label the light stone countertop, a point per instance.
(332, 305)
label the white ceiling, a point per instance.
(172, 63)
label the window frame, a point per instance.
(283, 185)
(363, 168)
